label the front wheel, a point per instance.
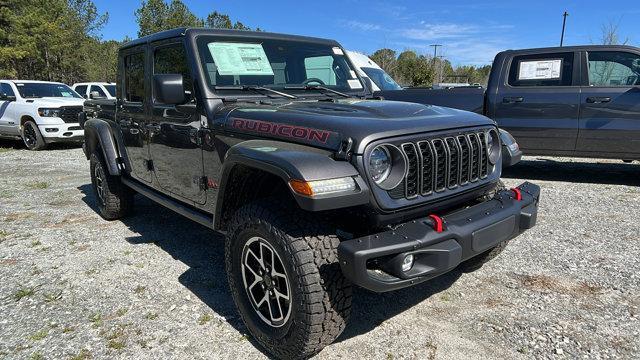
(32, 137)
(285, 279)
(114, 199)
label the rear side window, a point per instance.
(172, 59)
(553, 69)
(98, 90)
(613, 68)
(134, 77)
(6, 89)
(82, 90)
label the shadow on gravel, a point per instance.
(578, 172)
(203, 251)
(370, 309)
(194, 245)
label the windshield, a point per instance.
(277, 64)
(111, 89)
(31, 90)
(381, 79)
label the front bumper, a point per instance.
(467, 233)
(61, 132)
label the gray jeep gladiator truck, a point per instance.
(579, 101)
(271, 140)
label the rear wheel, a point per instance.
(32, 137)
(285, 279)
(114, 199)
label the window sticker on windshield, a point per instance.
(337, 51)
(240, 59)
(354, 84)
(66, 94)
(540, 69)
(353, 74)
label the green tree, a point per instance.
(386, 59)
(151, 17)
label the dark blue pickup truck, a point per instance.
(569, 101)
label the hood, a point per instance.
(56, 102)
(327, 124)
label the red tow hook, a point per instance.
(438, 223)
(518, 194)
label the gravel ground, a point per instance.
(153, 286)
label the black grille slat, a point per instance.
(441, 163)
(426, 154)
(454, 162)
(69, 114)
(412, 179)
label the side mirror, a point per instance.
(169, 89)
(5, 97)
(95, 95)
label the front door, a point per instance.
(8, 121)
(538, 104)
(132, 113)
(174, 136)
(610, 105)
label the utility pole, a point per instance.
(435, 57)
(564, 23)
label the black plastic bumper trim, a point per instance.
(475, 230)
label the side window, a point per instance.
(6, 89)
(134, 77)
(553, 69)
(97, 89)
(82, 90)
(613, 68)
(172, 59)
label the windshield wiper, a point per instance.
(317, 87)
(253, 88)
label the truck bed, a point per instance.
(469, 99)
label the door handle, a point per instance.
(134, 131)
(598, 99)
(513, 99)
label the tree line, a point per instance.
(60, 40)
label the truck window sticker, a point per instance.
(240, 59)
(548, 69)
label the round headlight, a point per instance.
(493, 145)
(379, 164)
(387, 166)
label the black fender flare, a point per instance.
(99, 132)
(293, 162)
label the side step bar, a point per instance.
(181, 209)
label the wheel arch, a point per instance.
(98, 132)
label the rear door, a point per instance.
(174, 136)
(8, 121)
(538, 103)
(133, 111)
(610, 105)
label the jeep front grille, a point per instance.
(69, 114)
(438, 164)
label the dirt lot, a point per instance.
(153, 285)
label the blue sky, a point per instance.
(471, 32)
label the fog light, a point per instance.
(407, 263)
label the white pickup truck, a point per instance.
(39, 112)
(96, 90)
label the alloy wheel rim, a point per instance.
(99, 184)
(265, 282)
(30, 138)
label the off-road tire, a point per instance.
(321, 295)
(32, 137)
(476, 262)
(116, 200)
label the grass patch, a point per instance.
(18, 216)
(116, 344)
(82, 355)
(151, 316)
(36, 356)
(3, 234)
(35, 243)
(23, 293)
(5, 150)
(39, 335)
(51, 297)
(96, 319)
(139, 289)
(121, 312)
(38, 185)
(205, 318)
(67, 329)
